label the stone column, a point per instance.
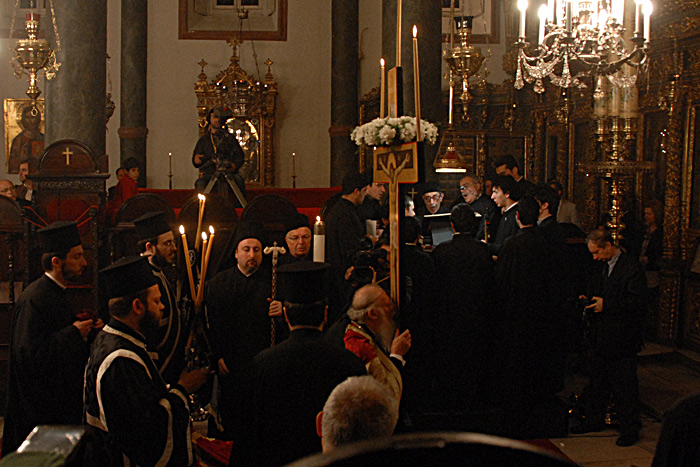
(133, 131)
(344, 84)
(75, 99)
(427, 16)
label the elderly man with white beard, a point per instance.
(372, 336)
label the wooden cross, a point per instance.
(67, 153)
(412, 192)
(392, 171)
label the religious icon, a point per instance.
(401, 159)
(24, 133)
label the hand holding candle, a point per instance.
(319, 241)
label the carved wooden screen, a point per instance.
(252, 104)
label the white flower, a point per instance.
(391, 131)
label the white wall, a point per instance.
(302, 69)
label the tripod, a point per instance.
(218, 175)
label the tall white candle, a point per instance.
(647, 10)
(382, 90)
(319, 241)
(543, 20)
(522, 6)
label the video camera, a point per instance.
(366, 262)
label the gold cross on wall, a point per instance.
(413, 193)
(67, 153)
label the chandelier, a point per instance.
(579, 38)
(32, 55)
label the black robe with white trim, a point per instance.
(142, 421)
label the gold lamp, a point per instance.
(32, 55)
(448, 159)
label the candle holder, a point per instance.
(464, 61)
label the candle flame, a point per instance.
(170, 154)
(415, 31)
(204, 236)
(182, 230)
(318, 218)
(211, 229)
(201, 197)
(381, 62)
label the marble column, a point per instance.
(427, 16)
(344, 88)
(132, 107)
(75, 99)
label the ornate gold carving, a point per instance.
(252, 103)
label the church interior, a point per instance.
(133, 79)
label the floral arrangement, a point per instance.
(391, 131)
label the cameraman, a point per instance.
(216, 150)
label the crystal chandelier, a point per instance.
(32, 55)
(579, 38)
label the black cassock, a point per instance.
(134, 412)
(172, 334)
(528, 317)
(47, 359)
(286, 388)
(239, 327)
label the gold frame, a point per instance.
(184, 32)
(13, 113)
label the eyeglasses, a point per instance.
(296, 238)
(6, 189)
(466, 187)
(433, 197)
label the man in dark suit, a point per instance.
(507, 165)
(506, 194)
(473, 194)
(287, 385)
(529, 318)
(617, 294)
(465, 268)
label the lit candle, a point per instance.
(187, 261)
(550, 8)
(294, 163)
(569, 19)
(205, 264)
(522, 6)
(381, 90)
(398, 33)
(560, 12)
(202, 202)
(170, 161)
(204, 251)
(416, 82)
(543, 20)
(647, 10)
(638, 17)
(319, 241)
(452, 94)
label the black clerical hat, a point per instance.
(128, 275)
(151, 225)
(297, 221)
(303, 282)
(249, 229)
(59, 237)
(430, 187)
